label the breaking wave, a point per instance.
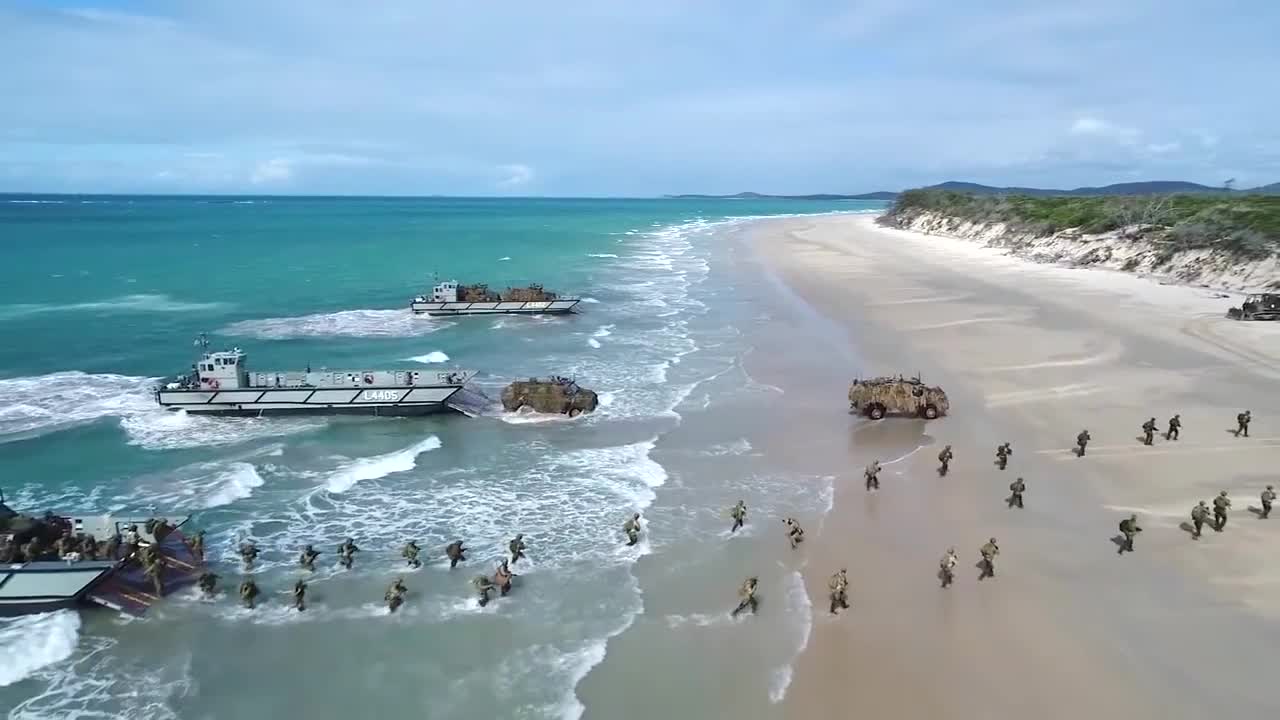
(372, 468)
(32, 406)
(206, 485)
(344, 323)
(32, 642)
(431, 357)
(602, 255)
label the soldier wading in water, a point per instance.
(739, 515)
(394, 596)
(839, 586)
(632, 529)
(300, 595)
(455, 552)
(248, 593)
(483, 586)
(795, 534)
(347, 553)
(517, 548)
(410, 554)
(307, 560)
(947, 566)
(748, 594)
(208, 582)
(944, 458)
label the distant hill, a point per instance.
(1152, 187)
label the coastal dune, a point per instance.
(1032, 354)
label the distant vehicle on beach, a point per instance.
(1263, 306)
(877, 397)
(450, 298)
(220, 384)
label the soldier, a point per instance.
(1148, 431)
(347, 553)
(1268, 497)
(839, 584)
(207, 582)
(989, 553)
(8, 552)
(1082, 440)
(248, 553)
(1175, 424)
(152, 571)
(748, 594)
(131, 540)
(1220, 507)
(502, 578)
(454, 551)
(1017, 487)
(1199, 515)
(1129, 528)
(1242, 423)
(64, 545)
(795, 534)
(395, 595)
(112, 549)
(300, 596)
(739, 515)
(483, 586)
(88, 547)
(632, 528)
(872, 474)
(517, 548)
(410, 554)
(197, 545)
(32, 550)
(1002, 455)
(947, 567)
(248, 593)
(307, 560)
(150, 555)
(944, 457)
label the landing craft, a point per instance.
(450, 298)
(220, 383)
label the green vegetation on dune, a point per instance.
(1241, 225)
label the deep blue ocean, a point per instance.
(102, 296)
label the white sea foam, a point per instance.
(378, 466)
(37, 405)
(206, 485)
(31, 642)
(504, 258)
(604, 331)
(344, 323)
(797, 606)
(153, 428)
(592, 342)
(527, 416)
(741, 446)
(141, 303)
(602, 255)
(590, 300)
(432, 357)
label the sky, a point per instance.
(632, 97)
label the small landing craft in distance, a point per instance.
(450, 298)
(220, 383)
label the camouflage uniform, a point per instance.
(248, 593)
(1017, 487)
(455, 552)
(1129, 528)
(748, 594)
(395, 595)
(207, 582)
(300, 596)
(1220, 506)
(307, 560)
(989, 552)
(248, 553)
(1082, 440)
(739, 515)
(517, 548)
(1175, 424)
(945, 457)
(1002, 455)
(1199, 515)
(795, 534)
(872, 474)
(347, 553)
(947, 567)
(632, 529)
(197, 545)
(483, 587)
(839, 584)
(1268, 497)
(410, 554)
(1148, 431)
(1242, 423)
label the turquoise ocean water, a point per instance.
(100, 296)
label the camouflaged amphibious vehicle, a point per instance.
(877, 397)
(556, 395)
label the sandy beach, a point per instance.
(1030, 354)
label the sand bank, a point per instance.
(1032, 354)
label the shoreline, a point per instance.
(1031, 353)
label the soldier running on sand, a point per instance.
(1017, 487)
(989, 552)
(872, 474)
(1175, 424)
(516, 547)
(307, 560)
(795, 534)
(632, 529)
(1002, 455)
(455, 552)
(410, 554)
(300, 596)
(1082, 440)
(1268, 497)
(1221, 504)
(1148, 431)
(748, 594)
(1128, 528)
(839, 586)
(1199, 516)
(945, 457)
(739, 515)
(947, 567)
(1242, 423)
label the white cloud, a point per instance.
(275, 170)
(515, 175)
(1164, 148)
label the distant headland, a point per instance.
(1154, 187)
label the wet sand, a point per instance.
(1030, 354)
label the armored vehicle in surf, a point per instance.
(881, 396)
(220, 383)
(450, 298)
(1262, 306)
(40, 571)
(549, 395)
